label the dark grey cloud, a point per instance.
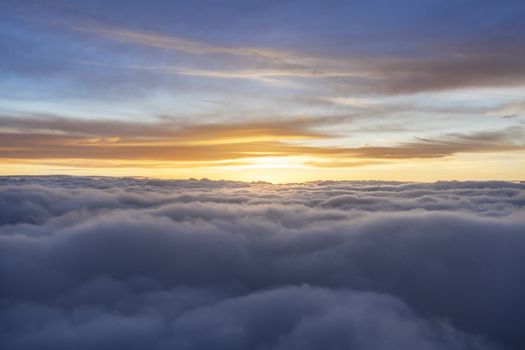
(283, 318)
(456, 70)
(108, 263)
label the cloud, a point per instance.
(166, 127)
(282, 318)
(120, 263)
(284, 44)
(468, 67)
(167, 140)
(385, 75)
(182, 44)
(491, 141)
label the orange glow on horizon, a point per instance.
(285, 169)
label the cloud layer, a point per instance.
(107, 263)
(38, 138)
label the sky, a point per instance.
(277, 91)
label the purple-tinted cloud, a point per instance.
(127, 263)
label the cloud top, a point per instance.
(124, 263)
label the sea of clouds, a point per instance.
(109, 263)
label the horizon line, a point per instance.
(206, 179)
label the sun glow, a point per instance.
(283, 169)
(275, 163)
